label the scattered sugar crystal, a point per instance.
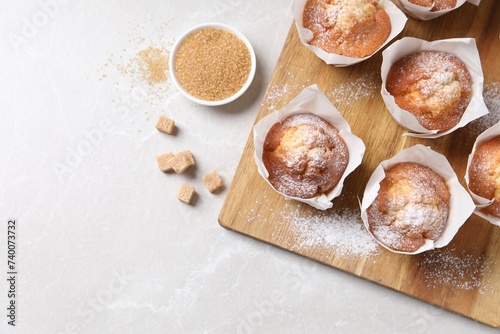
(491, 96)
(276, 93)
(366, 86)
(342, 230)
(461, 270)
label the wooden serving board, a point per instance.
(463, 277)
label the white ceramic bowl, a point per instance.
(224, 27)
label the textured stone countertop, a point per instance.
(102, 243)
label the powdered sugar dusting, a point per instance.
(412, 205)
(304, 155)
(366, 86)
(279, 94)
(491, 96)
(461, 270)
(342, 233)
(342, 230)
(354, 28)
(435, 86)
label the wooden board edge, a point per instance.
(406, 294)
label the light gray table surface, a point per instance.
(102, 243)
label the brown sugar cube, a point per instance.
(165, 125)
(182, 161)
(186, 193)
(163, 161)
(213, 181)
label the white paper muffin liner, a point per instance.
(311, 100)
(397, 17)
(482, 202)
(463, 48)
(425, 13)
(461, 204)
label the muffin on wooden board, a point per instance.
(304, 155)
(352, 28)
(434, 86)
(414, 202)
(435, 5)
(431, 9)
(313, 149)
(412, 205)
(432, 94)
(348, 30)
(484, 173)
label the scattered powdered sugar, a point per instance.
(438, 88)
(491, 96)
(332, 12)
(347, 14)
(342, 230)
(366, 86)
(278, 95)
(457, 269)
(343, 233)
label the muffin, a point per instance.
(435, 4)
(352, 28)
(412, 205)
(434, 86)
(484, 173)
(304, 155)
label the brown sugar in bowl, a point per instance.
(212, 64)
